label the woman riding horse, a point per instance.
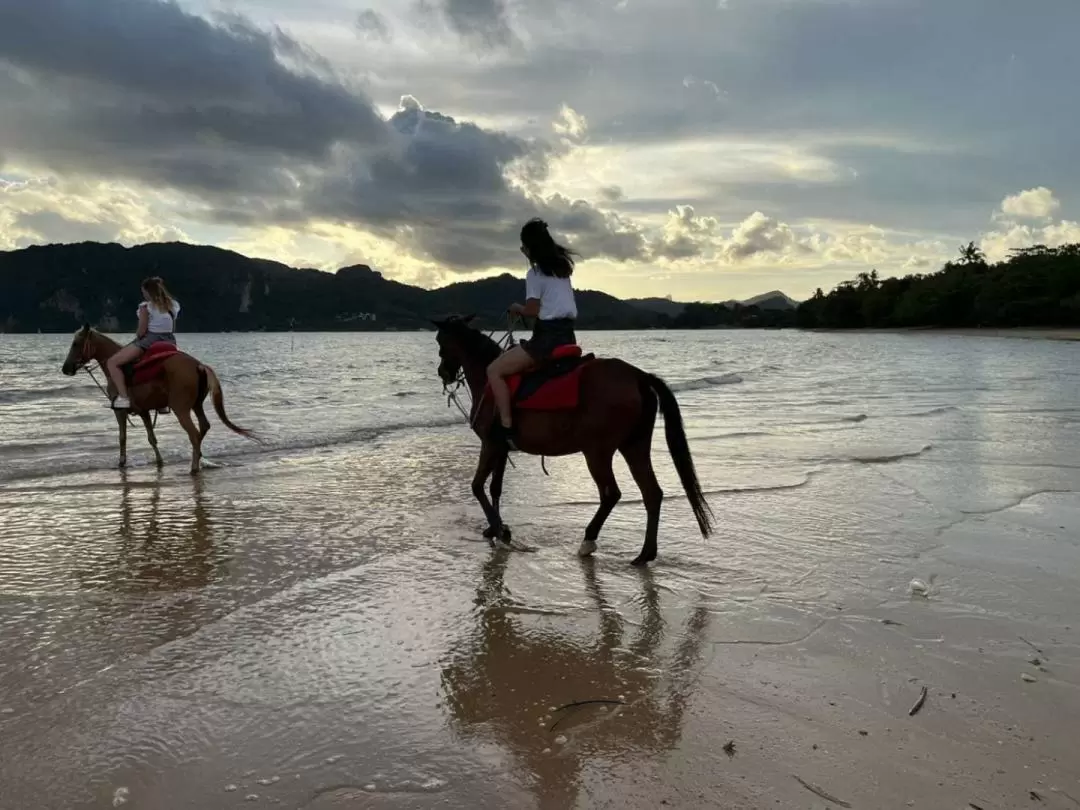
(549, 298)
(157, 323)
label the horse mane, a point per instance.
(472, 340)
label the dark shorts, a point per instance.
(150, 338)
(547, 335)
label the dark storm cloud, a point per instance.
(372, 25)
(259, 128)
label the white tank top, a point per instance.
(161, 323)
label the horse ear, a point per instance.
(438, 324)
(468, 318)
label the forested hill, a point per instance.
(1035, 286)
(56, 288)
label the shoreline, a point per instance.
(1018, 332)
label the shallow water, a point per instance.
(318, 623)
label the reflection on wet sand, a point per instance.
(510, 680)
(177, 553)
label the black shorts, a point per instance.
(548, 335)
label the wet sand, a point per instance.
(215, 649)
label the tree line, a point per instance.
(1034, 286)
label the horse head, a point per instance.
(80, 352)
(451, 336)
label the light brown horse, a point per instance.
(181, 385)
(616, 413)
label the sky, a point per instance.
(699, 149)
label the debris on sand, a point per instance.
(1036, 649)
(577, 703)
(1028, 678)
(918, 703)
(818, 791)
(729, 748)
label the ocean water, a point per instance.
(317, 622)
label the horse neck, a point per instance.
(475, 375)
(103, 348)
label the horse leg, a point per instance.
(204, 423)
(152, 438)
(638, 457)
(496, 495)
(487, 462)
(121, 423)
(599, 462)
(183, 416)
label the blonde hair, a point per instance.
(158, 295)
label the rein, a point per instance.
(460, 382)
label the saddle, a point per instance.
(149, 366)
(552, 385)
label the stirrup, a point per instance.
(503, 435)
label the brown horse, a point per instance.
(616, 412)
(181, 384)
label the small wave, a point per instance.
(932, 412)
(707, 382)
(859, 417)
(890, 458)
(20, 395)
(406, 393)
(738, 434)
(182, 452)
(708, 493)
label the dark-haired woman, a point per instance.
(549, 298)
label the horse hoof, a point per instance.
(506, 536)
(122, 463)
(587, 548)
(641, 560)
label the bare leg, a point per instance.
(183, 416)
(152, 438)
(639, 458)
(509, 362)
(121, 423)
(125, 355)
(600, 466)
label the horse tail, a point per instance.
(680, 451)
(218, 399)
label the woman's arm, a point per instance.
(144, 322)
(530, 309)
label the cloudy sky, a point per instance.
(704, 149)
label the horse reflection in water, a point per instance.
(176, 553)
(507, 678)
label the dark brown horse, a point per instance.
(616, 413)
(181, 384)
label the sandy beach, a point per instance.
(319, 624)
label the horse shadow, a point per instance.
(505, 679)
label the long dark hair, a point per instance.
(547, 255)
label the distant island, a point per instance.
(56, 288)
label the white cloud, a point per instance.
(1035, 203)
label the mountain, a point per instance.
(775, 300)
(771, 300)
(55, 288)
(664, 306)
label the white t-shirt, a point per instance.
(555, 294)
(161, 322)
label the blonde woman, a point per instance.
(157, 322)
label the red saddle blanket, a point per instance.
(554, 385)
(149, 365)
